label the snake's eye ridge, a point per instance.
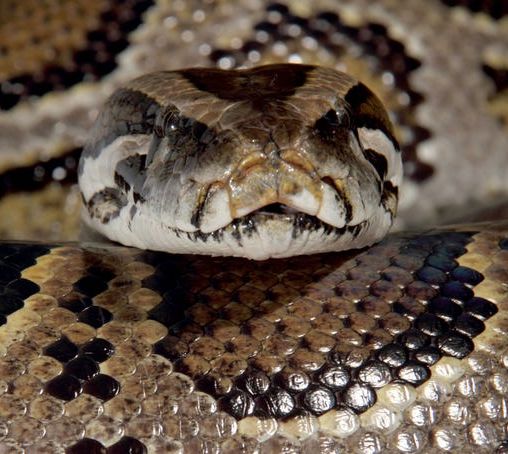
(333, 123)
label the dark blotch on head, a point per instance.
(377, 160)
(368, 111)
(273, 81)
(106, 204)
(126, 112)
(389, 190)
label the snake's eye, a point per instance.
(333, 123)
(167, 122)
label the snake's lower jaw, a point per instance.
(273, 231)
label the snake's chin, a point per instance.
(272, 231)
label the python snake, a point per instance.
(274, 161)
(399, 347)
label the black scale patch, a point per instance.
(258, 85)
(81, 364)
(378, 161)
(81, 372)
(14, 258)
(497, 9)
(367, 113)
(124, 445)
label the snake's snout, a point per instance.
(272, 187)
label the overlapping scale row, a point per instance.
(397, 347)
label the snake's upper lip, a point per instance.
(216, 209)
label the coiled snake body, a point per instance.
(397, 347)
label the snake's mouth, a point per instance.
(285, 214)
(273, 231)
(277, 208)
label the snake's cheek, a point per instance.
(351, 187)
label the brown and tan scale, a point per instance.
(230, 365)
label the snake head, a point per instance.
(272, 161)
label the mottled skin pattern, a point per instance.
(398, 348)
(107, 349)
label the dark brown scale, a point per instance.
(442, 262)
(318, 400)
(455, 344)
(86, 446)
(95, 316)
(293, 380)
(64, 387)
(445, 308)
(414, 373)
(467, 275)
(469, 325)
(431, 325)
(428, 355)
(480, 307)
(62, 350)
(394, 355)
(127, 445)
(457, 291)
(255, 382)
(91, 285)
(98, 350)
(82, 367)
(359, 397)
(375, 374)
(334, 377)
(10, 304)
(277, 402)
(102, 386)
(414, 339)
(432, 275)
(75, 302)
(238, 404)
(497, 9)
